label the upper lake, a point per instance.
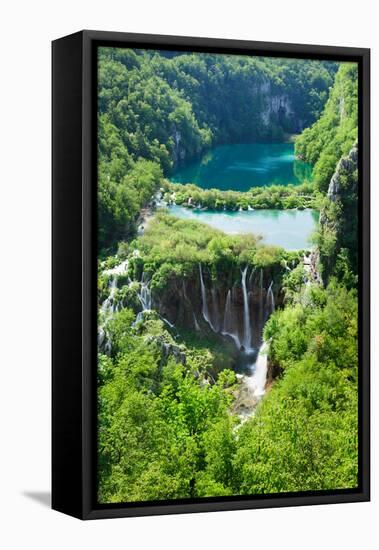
(242, 166)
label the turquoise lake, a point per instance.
(241, 166)
(289, 229)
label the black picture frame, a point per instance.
(74, 273)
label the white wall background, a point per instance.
(26, 31)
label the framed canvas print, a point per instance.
(210, 274)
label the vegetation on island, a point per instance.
(278, 197)
(167, 426)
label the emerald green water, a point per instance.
(290, 229)
(241, 166)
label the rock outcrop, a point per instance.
(181, 302)
(345, 166)
(339, 220)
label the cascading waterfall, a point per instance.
(144, 296)
(108, 307)
(286, 265)
(205, 309)
(229, 327)
(228, 312)
(251, 276)
(257, 381)
(228, 321)
(196, 324)
(246, 314)
(261, 295)
(270, 299)
(215, 310)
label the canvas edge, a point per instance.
(84, 508)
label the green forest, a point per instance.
(227, 365)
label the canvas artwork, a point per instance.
(227, 257)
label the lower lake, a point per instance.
(290, 229)
(242, 166)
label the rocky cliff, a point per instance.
(337, 243)
(222, 305)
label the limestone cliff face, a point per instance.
(347, 165)
(181, 302)
(273, 108)
(278, 108)
(339, 218)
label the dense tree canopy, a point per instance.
(163, 435)
(167, 110)
(167, 423)
(334, 133)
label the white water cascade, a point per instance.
(270, 299)
(228, 321)
(205, 309)
(246, 314)
(228, 325)
(215, 310)
(108, 306)
(144, 296)
(257, 381)
(251, 276)
(196, 324)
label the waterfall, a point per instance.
(228, 312)
(251, 277)
(261, 295)
(257, 381)
(171, 325)
(196, 324)
(144, 294)
(205, 310)
(100, 336)
(119, 269)
(215, 310)
(228, 321)
(108, 347)
(108, 305)
(270, 299)
(246, 314)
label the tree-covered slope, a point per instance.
(168, 427)
(334, 133)
(169, 109)
(155, 111)
(166, 431)
(304, 435)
